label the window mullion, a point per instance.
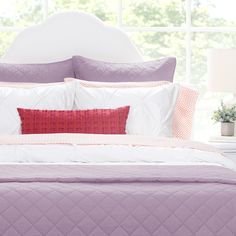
(188, 40)
(119, 13)
(45, 9)
(154, 29)
(213, 29)
(180, 29)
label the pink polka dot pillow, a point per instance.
(184, 113)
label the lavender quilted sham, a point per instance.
(78, 200)
(36, 73)
(93, 70)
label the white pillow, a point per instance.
(151, 108)
(53, 96)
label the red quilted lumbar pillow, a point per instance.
(97, 121)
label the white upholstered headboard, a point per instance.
(71, 33)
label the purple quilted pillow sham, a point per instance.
(36, 73)
(93, 70)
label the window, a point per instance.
(181, 28)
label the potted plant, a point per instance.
(226, 115)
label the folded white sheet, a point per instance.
(107, 149)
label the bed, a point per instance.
(100, 185)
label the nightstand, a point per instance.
(226, 144)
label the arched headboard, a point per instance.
(71, 33)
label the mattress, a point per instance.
(120, 185)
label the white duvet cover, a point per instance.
(88, 149)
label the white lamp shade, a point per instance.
(222, 70)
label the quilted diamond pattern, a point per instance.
(36, 73)
(93, 70)
(171, 201)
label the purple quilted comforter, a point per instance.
(117, 200)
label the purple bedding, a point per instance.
(100, 71)
(117, 200)
(36, 73)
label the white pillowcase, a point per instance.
(51, 96)
(151, 108)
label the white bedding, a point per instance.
(107, 149)
(110, 154)
(151, 108)
(55, 96)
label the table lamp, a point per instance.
(222, 71)
(222, 78)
